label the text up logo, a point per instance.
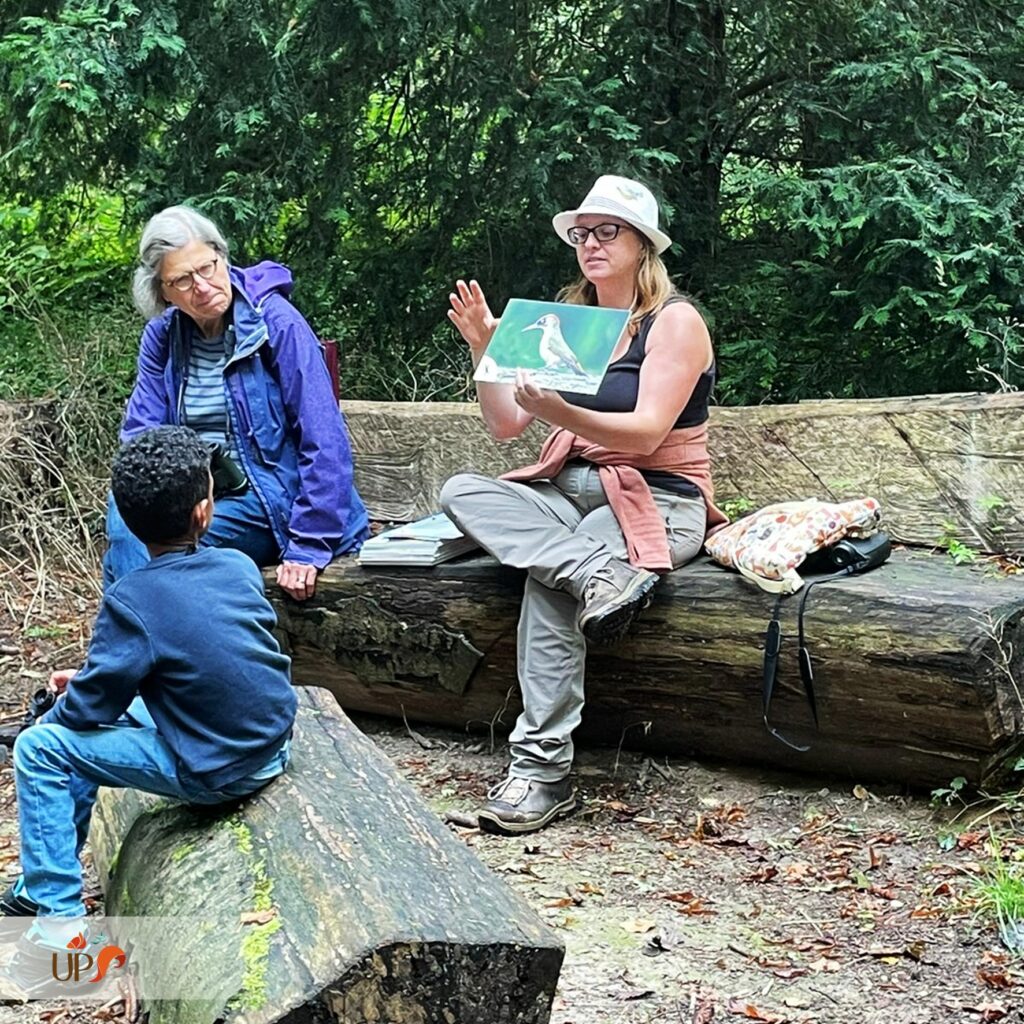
(75, 965)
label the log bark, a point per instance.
(919, 663)
(940, 465)
(378, 913)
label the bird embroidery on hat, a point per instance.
(554, 349)
(630, 193)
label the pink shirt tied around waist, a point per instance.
(684, 452)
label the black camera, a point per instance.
(229, 480)
(858, 554)
(39, 703)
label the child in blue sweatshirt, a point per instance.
(184, 692)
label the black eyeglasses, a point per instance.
(602, 232)
(186, 282)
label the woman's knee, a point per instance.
(456, 489)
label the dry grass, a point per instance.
(55, 451)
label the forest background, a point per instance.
(843, 179)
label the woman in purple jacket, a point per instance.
(225, 353)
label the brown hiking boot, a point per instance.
(525, 805)
(612, 598)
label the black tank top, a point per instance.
(621, 385)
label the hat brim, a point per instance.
(567, 219)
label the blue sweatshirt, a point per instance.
(190, 633)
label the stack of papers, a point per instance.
(425, 542)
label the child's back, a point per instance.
(191, 634)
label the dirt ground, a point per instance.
(685, 892)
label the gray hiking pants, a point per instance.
(561, 531)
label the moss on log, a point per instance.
(344, 894)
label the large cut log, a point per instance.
(919, 663)
(347, 899)
(943, 465)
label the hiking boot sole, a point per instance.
(612, 625)
(491, 822)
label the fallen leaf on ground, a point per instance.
(788, 973)
(621, 808)
(987, 1011)
(564, 901)
(765, 874)
(688, 903)
(639, 925)
(751, 1012)
(912, 951)
(994, 979)
(824, 966)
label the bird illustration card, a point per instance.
(564, 347)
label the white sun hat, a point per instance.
(620, 197)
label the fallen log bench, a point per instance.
(338, 896)
(918, 664)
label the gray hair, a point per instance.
(166, 231)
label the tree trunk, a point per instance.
(918, 663)
(359, 902)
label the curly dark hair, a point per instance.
(157, 479)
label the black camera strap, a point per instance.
(773, 648)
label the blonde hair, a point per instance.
(653, 287)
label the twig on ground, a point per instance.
(646, 726)
(418, 737)
(496, 717)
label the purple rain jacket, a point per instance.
(289, 432)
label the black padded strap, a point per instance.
(770, 672)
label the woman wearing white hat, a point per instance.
(622, 489)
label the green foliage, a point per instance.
(737, 508)
(952, 793)
(843, 180)
(999, 894)
(958, 551)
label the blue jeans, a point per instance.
(57, 772)
(237, 523)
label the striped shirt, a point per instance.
(204, 405)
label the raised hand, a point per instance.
(472, 316)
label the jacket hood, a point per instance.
(252, 286)
(259, 281)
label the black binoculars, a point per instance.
(229, 480)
